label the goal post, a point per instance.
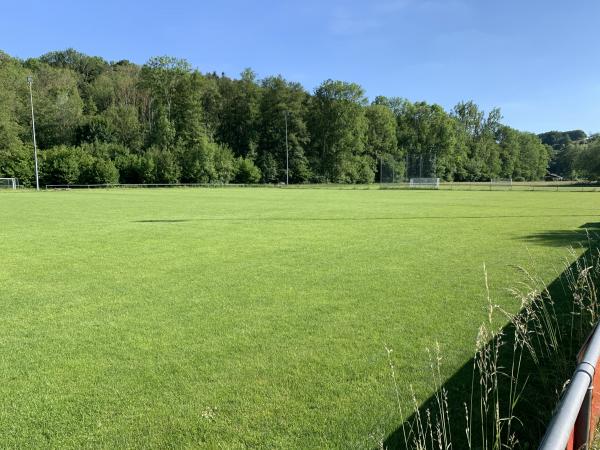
(8, 183)
(424, 183)
(501, 183)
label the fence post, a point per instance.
(583, 425)
(584, 418)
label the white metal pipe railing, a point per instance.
(573, 414)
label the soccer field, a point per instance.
(251, 317)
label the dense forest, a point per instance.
(165, 122)
(573, 154)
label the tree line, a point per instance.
(574, 154)
(165, 122)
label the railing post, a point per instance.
(574, 418)
(584, 418)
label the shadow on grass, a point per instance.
(361, 219)
(544, 380)
(586, 236)
(161, 221)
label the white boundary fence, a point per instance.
(152, 185)
(442, 186)
(514, 186)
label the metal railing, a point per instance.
(458, 186)
(144, 185)
(573, 423)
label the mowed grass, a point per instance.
(242, 318)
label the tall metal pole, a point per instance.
(380, 169)
(37, 177)
(287, 152)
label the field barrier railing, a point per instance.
(458, 186)
(574, 422)
(146, 185)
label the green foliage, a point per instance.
(480, 137)
(206, 162)
(160, 77)
(131, 168)
(162, 167)
(188, 116)
(246, 171)
(586, 158)
(58, 106)
(563, 151)
(124, 126)
(238, 127)
(180, 125)
(428, 136)
(224, 164)
(381, 131)
(80, 165)
(88, 67)
(381, 141)
(99, 171)
(60, 165)
(532, 159)
(94, 129)
(282, 101)
(559, 139)
(16, 161)
(338, 127)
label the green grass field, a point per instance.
(241, 318)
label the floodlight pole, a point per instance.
(287, 151)
(37, 177)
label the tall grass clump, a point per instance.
(519, 369)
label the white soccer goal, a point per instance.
(501, 181)
(425, 183)
(8, 183)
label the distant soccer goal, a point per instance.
(424, 183)
(8, 183)
(501, 183)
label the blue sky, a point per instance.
(536, 60)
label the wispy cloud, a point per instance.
(367, 17)
(346, 22)
(392, 6)
(443, 6)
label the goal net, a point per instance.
(8, 183)
(390, 170)
(425, 183)
(501, 181)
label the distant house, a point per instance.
(552, 177)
